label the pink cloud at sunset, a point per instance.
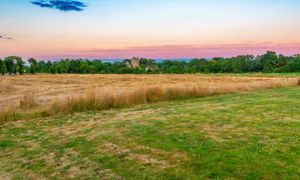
(189, 51)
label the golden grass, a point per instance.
(28, 100)
(76, 93)
(8, 114)
(100, 100)
(6, 86)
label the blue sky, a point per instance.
(150, 28)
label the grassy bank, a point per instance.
(244, 136)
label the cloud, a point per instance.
(5, 37)
(62, 5)
(192, 50)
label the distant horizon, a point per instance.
(156, 59)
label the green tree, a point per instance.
(199, 66)
(269, 61)
(33, 65)
(10, 64)
(2, 67)
(14, 64)
(215, 65)
(19, 65)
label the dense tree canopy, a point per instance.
(2, 67)
(10, 64)
(13, 65)
(268, 62)
(33, 65)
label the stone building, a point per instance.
(133, 63)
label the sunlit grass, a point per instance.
(65, 94)
(235, 136)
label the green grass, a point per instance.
(283, 74)
(295, 74)
(241, 136)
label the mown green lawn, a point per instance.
(241, 136)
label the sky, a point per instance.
(168, 29)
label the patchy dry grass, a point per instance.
(235, 136)
(28, 100)
(6, 86)
(63, 94)
(9, 114)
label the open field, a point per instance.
(47, 88)
(45, 95)
(246, 135)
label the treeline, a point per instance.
(269, 62)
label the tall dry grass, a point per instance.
(49, 87)
(28, 100)
(6, 86)
(9, 114)
(102, 100)
(66, 94)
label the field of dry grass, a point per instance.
(73, 93)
